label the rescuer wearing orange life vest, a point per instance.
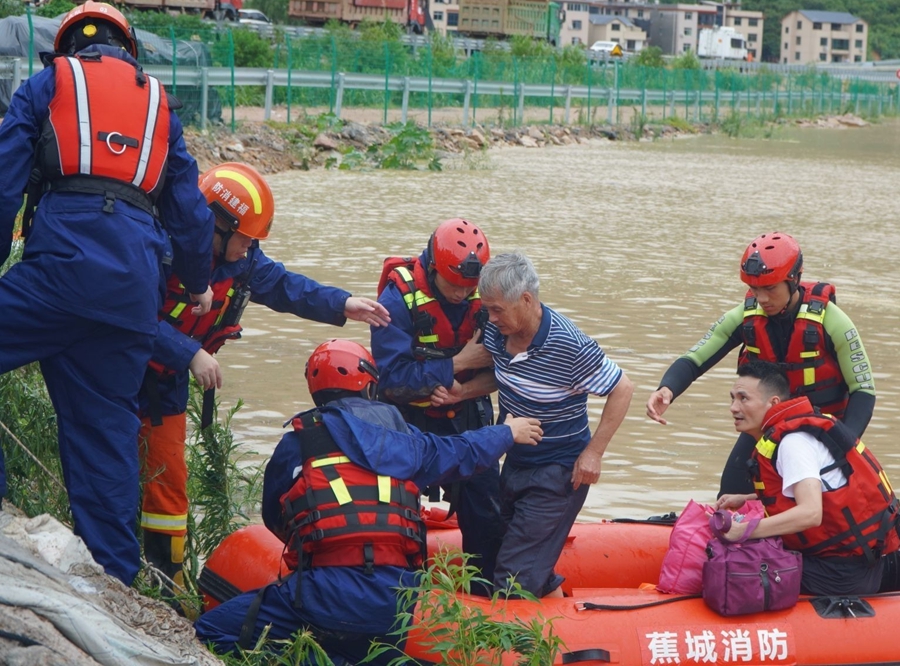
(435, 369)
(785, 321)
(824, 491)
(94, 139)
(243, 205)
(342, 491)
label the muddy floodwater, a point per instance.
(638, 243)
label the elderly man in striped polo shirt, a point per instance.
(545, 368)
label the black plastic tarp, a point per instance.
(15, 38)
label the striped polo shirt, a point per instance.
(551, 382)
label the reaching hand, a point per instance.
(525, 430)
(367, 311)
(658, 403)
(473, 356)
(206, 370)
(203, 301)
(443, 396)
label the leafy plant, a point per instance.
(54, 8)
(461, 634)
(649, 56)
(410, 146)
(687, 60)
(220, 489)
(301, 650)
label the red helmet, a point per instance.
(342, 365)
(94, 23)
(457, 251)
(240, 197)
(770, 259)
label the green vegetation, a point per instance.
(649, 56)
(54, 8)
(466, 635)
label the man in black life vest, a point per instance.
(435, 369)
(342, 492)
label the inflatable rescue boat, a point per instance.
(613, 613)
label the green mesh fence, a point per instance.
(694, 95)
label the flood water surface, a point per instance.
(638, 243)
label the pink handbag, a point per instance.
(749, 575)
(682, 567)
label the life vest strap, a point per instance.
(108, 188)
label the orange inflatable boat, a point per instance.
(608, 618)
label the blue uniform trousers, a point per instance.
(93, 372)
(221, 627)
(476, 499)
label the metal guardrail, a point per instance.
(610, 97)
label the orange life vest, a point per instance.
(338, 514)
(859, 518)
(435, 336)
(109, 121)
(811, 368)
(207, 329)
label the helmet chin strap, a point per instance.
(793, 288)
(226, 238)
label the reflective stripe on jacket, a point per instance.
(433, 329)
(108, 120)
(859, 518)
(812, 369)
(338, 513)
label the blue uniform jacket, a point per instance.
(102, 266)
(345, 598)
(392, 346)
(271, 285)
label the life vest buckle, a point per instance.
(109, 201)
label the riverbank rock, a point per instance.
(848, 120)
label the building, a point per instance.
(809, 37)
(749, 24)
(617, 29)
(674, 28)
(444, 15)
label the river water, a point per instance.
(638, 243)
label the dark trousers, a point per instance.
(475, 500)
(736, 475)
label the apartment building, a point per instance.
(616, 29)
(445, 15)
(749, 24)
(674, 28)
(809, 37)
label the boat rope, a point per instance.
(589, 605)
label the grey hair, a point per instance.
(508, 276)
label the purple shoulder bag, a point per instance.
(748, 575)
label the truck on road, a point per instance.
(722, 42)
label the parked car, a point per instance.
(252, 17)
(604, 49)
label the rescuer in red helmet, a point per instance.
(244, 207)
(95, 139)
(433, 365)
(786, 321)
(342, 491)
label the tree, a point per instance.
(650, 56)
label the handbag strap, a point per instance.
(720, 524)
